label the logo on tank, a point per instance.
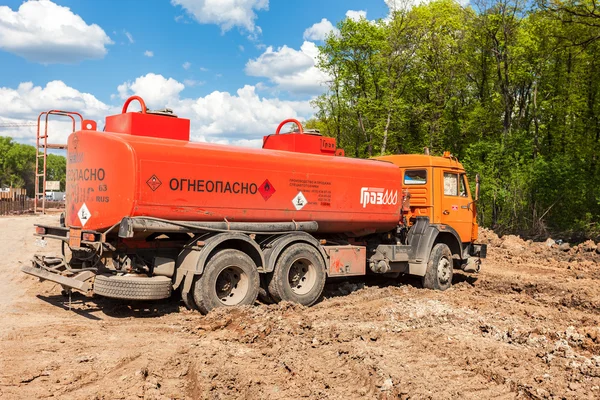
(154, 183)
(266, 190)
(378, 196)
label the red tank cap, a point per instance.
(159, 124)
(301, 141)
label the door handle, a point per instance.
(445, 212)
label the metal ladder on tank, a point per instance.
(41, 153)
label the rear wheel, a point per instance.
(299, 275)
(439, 268)
(230, 278)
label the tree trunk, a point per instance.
(385, 131)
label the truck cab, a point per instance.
(438, 208)
(438, 189)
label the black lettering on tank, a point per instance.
(191, 185)
(210, 186)
(86, 174)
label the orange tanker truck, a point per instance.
(149, 213)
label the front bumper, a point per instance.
(478, 250)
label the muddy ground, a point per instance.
(527, 326)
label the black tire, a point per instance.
(133, 287)
(188, 300)
(263, 292)
(229, 275)
(438, 275)
(307, 264)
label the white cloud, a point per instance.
(44, 32)
(129, 37)
(320, 30)
(225, 13)
(241, 48)
(156, 90)
(203, 69)
(193, 82)
(186, 65)
(290, 69)
(392, 4)
(261, 86)
(357, 15)
(149, 53)
(241, 118)
(24, 104)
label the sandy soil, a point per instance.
(526, 327)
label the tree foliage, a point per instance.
(17, 166)
(511, 88)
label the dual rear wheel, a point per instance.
(230, 278)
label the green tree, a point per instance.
(511, 88)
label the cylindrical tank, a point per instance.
(115, 175)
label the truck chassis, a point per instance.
(214, 264)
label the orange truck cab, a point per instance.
(438, 189)
(148, 212)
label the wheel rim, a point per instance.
(302, 276)
(444, 270)
(232, 285)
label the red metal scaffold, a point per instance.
(41, 153)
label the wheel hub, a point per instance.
(444, 270)
(302, 276)
(231, 285)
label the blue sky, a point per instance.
(234, 67)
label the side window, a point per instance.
(415, 177)
(450, 184)
(463, 186)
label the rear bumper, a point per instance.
(53, 269)
(66, 234)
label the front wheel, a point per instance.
(439, 268)
(299, 275)
(230, 278)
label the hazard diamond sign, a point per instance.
(153, 182)
(266, 190)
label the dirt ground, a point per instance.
(527, 326)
